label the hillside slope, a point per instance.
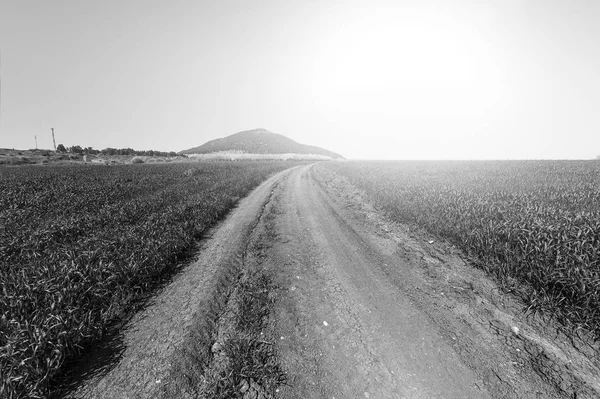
(259, 141)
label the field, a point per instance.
(79, 245)
(535, 225)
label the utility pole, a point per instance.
(35, 142)
(54, 141)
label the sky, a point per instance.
(368, 79)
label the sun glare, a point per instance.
(413, 67)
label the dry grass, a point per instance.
(242, 156)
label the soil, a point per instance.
(364, 308)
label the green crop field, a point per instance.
(78, 246)
(533, 224)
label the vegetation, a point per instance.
(229, 352)
(76, 149)
(78, 246)
(533, 224)
(246, 362)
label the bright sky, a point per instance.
(369, 79)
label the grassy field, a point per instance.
(533, 224)
(79, 245)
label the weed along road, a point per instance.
(307, 291)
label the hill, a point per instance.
(259, 141)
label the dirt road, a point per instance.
(364, 308)
(352, 332)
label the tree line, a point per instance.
(76, 149)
